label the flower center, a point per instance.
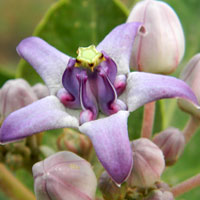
(88, 57)
(91, 83)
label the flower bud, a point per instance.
(160, 44)
(160, 195)
(64, 175)
(14, 161)
(109, 188)
(148, 163)
(40, 90)
(171, 141)
(75, 142)
(15, 94)
(191, 75)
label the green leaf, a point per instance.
(5, 75)
(70, 24)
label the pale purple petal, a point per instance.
(146, 87)
(45, 59)
(45, 114)
(110, 140)
(118, 45)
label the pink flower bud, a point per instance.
(62, 176)
(160, 44)
(160, 195)
(171, 141)
(40, 90)
(191, 75)
(15, 94)
(72, 140)
(109, 188)
(148, 163)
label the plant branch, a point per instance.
(148, 120)
(12, 187)
(190, 128)
(186, 186)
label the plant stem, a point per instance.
(12, 187)
(186, 186)
(148, 120)
(190, 128)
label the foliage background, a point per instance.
(18, 20)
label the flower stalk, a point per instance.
(186, 186)
(148, 120)
(12, 186)
(190, 128)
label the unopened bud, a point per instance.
(160, 44)
(191, 75)
(109, 188)
(15, 94)
(171, 141)
(40, 90)
(160, 195)
(75, 142)
(14, 161)
(62, 176)
(148, 164)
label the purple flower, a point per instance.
(96, 84)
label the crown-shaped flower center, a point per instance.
(88, 57)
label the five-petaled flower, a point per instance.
(98, 80)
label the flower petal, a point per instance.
(118, 45)
(46, 60)
(45, 114)
(110, 139)
(146, 87)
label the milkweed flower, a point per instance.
(97, 84)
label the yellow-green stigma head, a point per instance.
(88, 57)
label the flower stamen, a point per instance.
(88, 57)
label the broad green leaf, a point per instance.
(70, 24)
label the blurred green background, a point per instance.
(18, 20)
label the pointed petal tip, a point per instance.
(145, 87)
(49, 62)
(25, 43)
(45, 114)
(118, 44)
(110, 140)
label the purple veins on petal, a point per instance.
(109, 67)
(71, 85)
(106, 94)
